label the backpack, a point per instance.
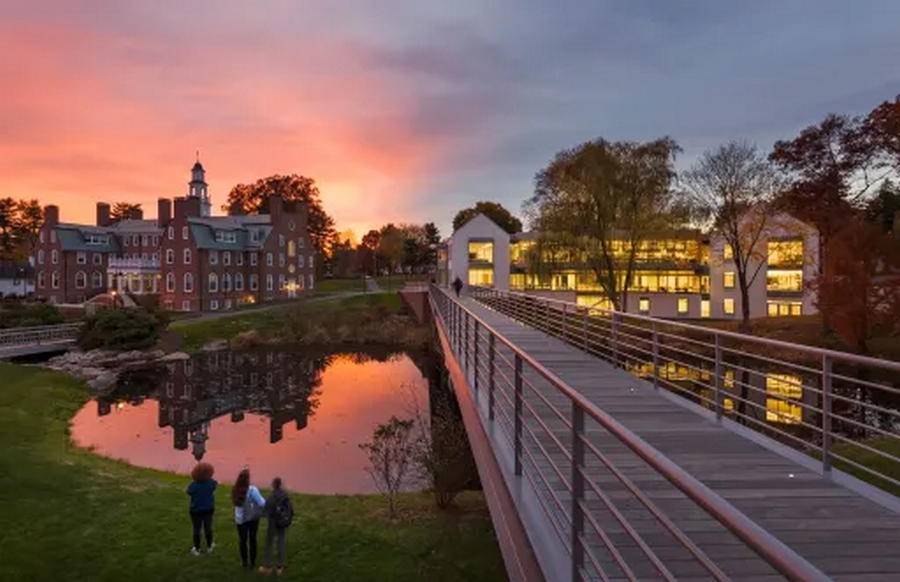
(283, 515)
(252, 510)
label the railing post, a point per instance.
(475, 357)
(518, 415)
(826, 413)
(656, 355)
(584, 327)
(491, 348)
(615, 338)
(719, 379)
(465, 346)
(577, 491)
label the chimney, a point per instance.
(187, 207)
(163, 211)
(51, 214)
(137, 214)
(236, 209)
(103, 218)
(276, 206)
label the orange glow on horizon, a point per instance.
(108, 117)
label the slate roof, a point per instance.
(72, 238)
(204, 231)
(12, 269)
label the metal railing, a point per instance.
(42, 334)
(582, 463)
(835, 406)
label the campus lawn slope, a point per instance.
(70, 515)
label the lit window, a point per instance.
(292, 249)
(729, 279)
(785, 389)
(482, 252)
(682, 306)
(704, 308)
(728, 252)
(785, 252)
(644, 305)
(728, 306)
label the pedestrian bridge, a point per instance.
(618, 447)
(28, 341)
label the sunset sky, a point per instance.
(406, 110)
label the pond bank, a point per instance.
(375, 319)
(101, 519)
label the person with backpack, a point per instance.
(203, 503)
(249, 505)
(280, 514)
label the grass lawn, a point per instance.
(70, 515)
(332, 286)
(875, 462)
(198, 332)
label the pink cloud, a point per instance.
(104, 115)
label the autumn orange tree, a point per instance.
(859, 286)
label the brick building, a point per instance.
(192, 260)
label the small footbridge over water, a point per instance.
(29, 341)
(618, 447)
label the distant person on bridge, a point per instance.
(457, 285)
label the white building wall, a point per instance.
(9, 287)
(778, 226)
(479, 228)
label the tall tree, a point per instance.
(390, 247)
(882, 128)
(732, 188)
(367, 251)
(884, 209)
(493, 210)
(432, 240)
(827, 166)
(125, 211)
(602, 200)
(860, 283)
(8, 240)
(29, 219)
(253, 199)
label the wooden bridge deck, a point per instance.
(844, 534)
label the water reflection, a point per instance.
(297, 415)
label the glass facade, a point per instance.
(785, 253)
(481, 277)
(481, 252)
(784, 308)
(784, 281)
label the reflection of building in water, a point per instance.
(194, 392)
(781, 396)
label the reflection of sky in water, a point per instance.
(324, 457)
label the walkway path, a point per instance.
(846, 535)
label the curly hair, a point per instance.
(202, 472)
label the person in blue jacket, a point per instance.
(248, 509)
(203, 503)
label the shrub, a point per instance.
(121, 329)
(18, 314)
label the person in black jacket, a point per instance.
(457, 285)
(279, 513)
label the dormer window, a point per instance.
(96, 239)
(223, 236)
(254, 236)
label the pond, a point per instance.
(297, 415)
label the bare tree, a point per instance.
(391, 454)
(732, 187)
